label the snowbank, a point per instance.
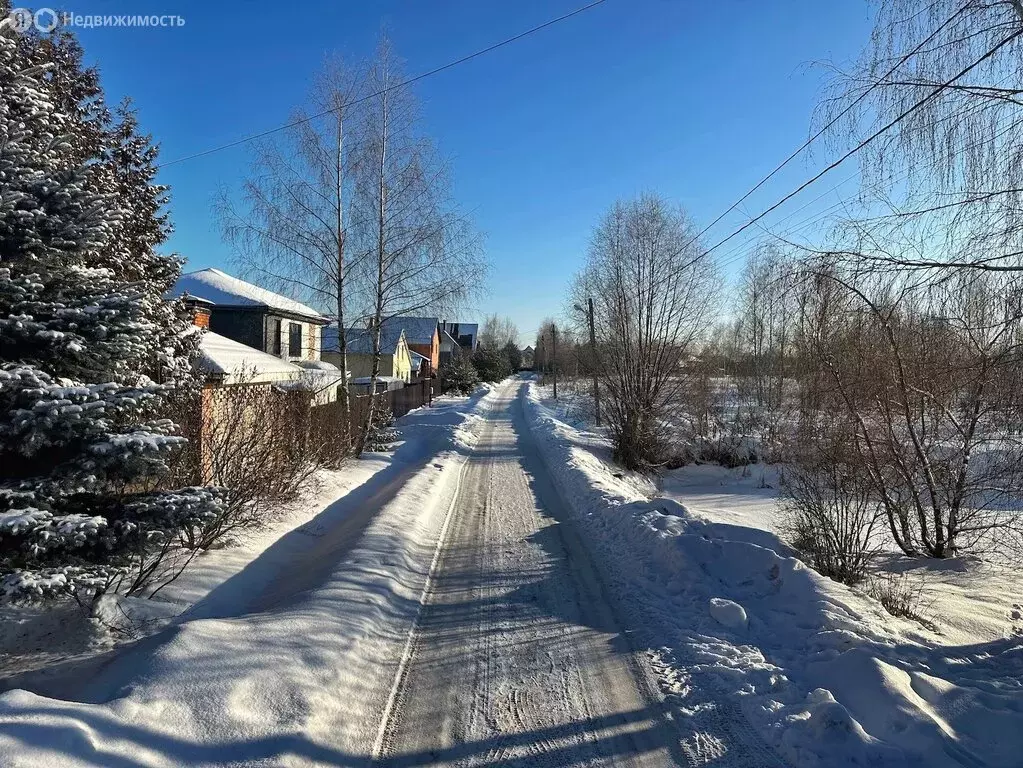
(822, 672)
(287, 658)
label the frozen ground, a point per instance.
(821, 671)
(440, 613)
(287, 646)
(499, 593)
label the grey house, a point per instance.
(254, 316)
(465, 334)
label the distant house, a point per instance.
(449, 347)
(465, 334)
(395, 355)
(254, 316)
(423, 336)
(528, 357)
(420, 366)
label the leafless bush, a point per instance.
(259, 443)
(831, 519)
(900, 595)
(832, 516)
(925, 375)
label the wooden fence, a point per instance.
(255, 429)
(326, 418)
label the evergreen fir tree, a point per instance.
(460, 375)
(83, 330)
(491, 364)
(382, 435)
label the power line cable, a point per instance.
(734, 254)
(831, 124)
(388, 89)
(862, 145)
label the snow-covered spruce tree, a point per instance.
(460, 375)
(83, 329)
(382, 435)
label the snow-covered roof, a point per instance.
(221, 356)
(387, 379)
(223, 290)
(317, 365)
(418, 330)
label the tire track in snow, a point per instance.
(545, 672)
(397, 688)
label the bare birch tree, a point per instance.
(498, 332)
(294, 223)
(421, 253)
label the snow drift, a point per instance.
(289, 661)
(823, 673)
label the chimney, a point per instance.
(200, 310)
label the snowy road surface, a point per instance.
(517, 658)
(437, 614)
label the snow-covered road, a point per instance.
(443, 612)
(517, 658)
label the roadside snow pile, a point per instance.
(728, 614)
(823, 673)
(476, 407)
(287, 657)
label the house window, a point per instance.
(275, 337)
(294, 340)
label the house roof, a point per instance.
(445, 335)
(358, 341)
(223, 290)
(463, 329)
(368, 379)
(418, 330)
(221, 356)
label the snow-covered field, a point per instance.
(823, 673)
(277, 655)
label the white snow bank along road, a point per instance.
(823, 673)
(294, 670)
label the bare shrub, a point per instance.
(900, 595)
(927, 377)
(832, 516)
(261, 445)
(831, 519)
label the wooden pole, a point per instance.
(554, 357)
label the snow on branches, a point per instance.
(86, 337)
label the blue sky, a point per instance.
(694, 100)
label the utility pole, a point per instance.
(593, 352)
(593, 362)
(554, 357)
